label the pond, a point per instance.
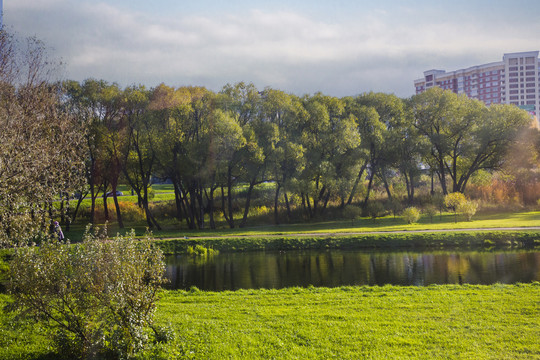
(333, 268)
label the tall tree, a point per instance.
(465, 135)
(331, 140)
(242, 102)
(140, 158)
(41, 156)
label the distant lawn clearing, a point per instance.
(388, 223)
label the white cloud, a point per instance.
(375, 50)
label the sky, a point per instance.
(339, 47)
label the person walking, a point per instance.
(58, 231)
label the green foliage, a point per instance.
(395, 206)
(431, 211)
(435, 240)
(459, 204)
(98, 298)
(375, 209)
(468, 209)
(454, 200)
(464, 135)
(199, 250)
(411, 215)
(352, 212)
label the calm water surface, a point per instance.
(254, 270)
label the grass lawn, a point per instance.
(386, 224)
(436, 322)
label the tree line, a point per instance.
(86, 138)
(319, 148)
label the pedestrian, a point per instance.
(58, 231)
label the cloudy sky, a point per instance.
(339, 47)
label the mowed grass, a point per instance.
(436, 322)
(362, 225)
(385, 224)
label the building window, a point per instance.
(529, 79)
(514, 97)
(513, 68)
(529, 73)
(529, 67)
(513, 86)
(530, 84)
(530, 102)
(514, 91)
(531, 96)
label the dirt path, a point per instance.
(337, 233)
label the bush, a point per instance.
(431, 211)
(375, 209)
(202, 251)
(98, 297)
(454, 201)
(351, 212)
(163, 209)
(411, 215)
(468, 209)
(130, 211)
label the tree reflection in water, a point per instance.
(231, 271)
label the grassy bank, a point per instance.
(450, 322)
(172, 229)
(428, 240)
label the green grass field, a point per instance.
(385, 224)
(446, 322)
(435, 322)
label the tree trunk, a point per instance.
(229, 198)
(357, 181)
(178, 202)
(118, 210)
(386, 187)
(93, 203)
(210, 199)
(371, 175)
(276, 201)
(289, 215)
(248, 202)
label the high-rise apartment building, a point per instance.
(514, 80)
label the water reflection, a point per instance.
(230, 271)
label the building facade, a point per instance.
(514, 80)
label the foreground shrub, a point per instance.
(98, 297)
(411, 215)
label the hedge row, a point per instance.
(435, 240)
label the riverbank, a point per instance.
(450, 322)
(436, 239)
